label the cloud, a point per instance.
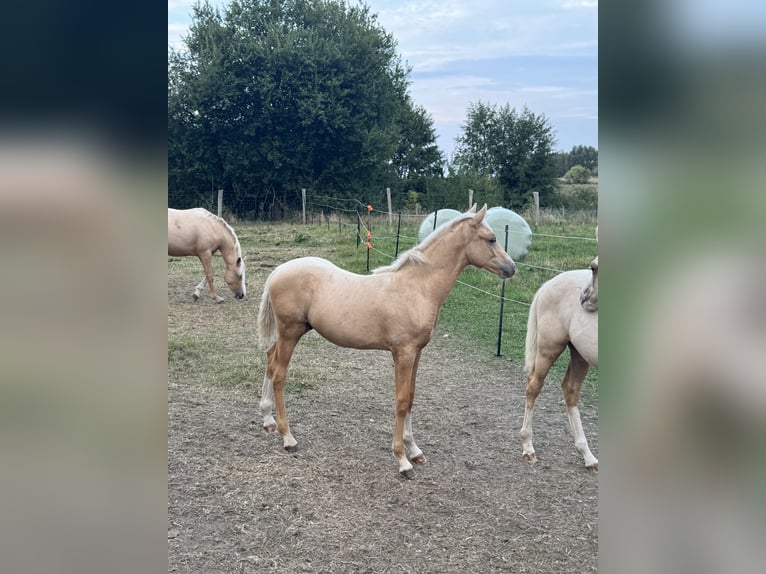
(573, 4)
(433, 35)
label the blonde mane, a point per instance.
(415, 256)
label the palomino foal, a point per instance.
(564, 313)
(398, 313)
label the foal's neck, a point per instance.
(444, 267)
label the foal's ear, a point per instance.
(472, 209)
(479, 217)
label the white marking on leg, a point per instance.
(409, 440)
(526, 433)
(198, 289)
(267, 402)
(404, 463)
(581, 443)
(288, 440)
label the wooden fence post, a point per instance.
(470, 198)
(536, 196)
(220, 202)
(390, 214)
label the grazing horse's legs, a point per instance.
(576, 371)
(278, 359)
(405, 367)
(416, 455)
(207, 264)
(535, 380)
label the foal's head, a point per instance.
(483, 250)
(589, 295)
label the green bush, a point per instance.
(577, 174)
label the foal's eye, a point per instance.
(493, 240)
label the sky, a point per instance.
(542, 54)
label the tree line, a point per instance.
(271, 96)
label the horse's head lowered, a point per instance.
(235, 277)
(484, 251)
(589, 295)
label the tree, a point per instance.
(274, 95)
(577, 174)
(515, 149)
(586, 156)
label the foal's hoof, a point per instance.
(408, 474)
(420, 459)
(195, 296)
(292, 449)
(530, 458)
(219, 300)
(270, 428)
(593, 469)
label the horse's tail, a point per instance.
(267, 324)
(530, 348)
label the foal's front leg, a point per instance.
(415, 454)
(405, 367)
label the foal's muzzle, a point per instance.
(239, 295)
(507, 270)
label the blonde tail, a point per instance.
(267, 325)
(530, 349)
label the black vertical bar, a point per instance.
(398, 228)
(358, 229)
(502, 301)
(436, 215)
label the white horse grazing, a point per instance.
(201, 233)
(564, 313)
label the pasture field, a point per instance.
(238, 503)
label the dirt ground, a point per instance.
(238, 503)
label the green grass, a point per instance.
(472, 311)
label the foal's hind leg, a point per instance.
(578, 368)
(278, 360)
(267, 395)
(535, 381)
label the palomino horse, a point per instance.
(397, 313)
(201, 233)
(564, 312)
